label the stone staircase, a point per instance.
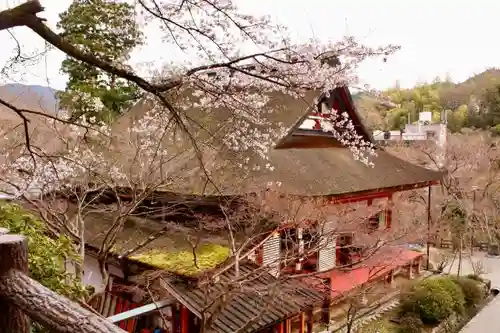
(367, 319)
(364, 319)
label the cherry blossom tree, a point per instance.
(465, 209)
(62, 185)
(236, 66)
(212, 35)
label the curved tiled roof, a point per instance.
(264, 300)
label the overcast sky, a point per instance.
(438, 37)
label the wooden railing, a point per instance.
(21, 296)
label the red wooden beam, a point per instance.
(376, 194)
(184, 320)
(363, 196)
(346, 97)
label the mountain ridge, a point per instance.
(474, 85)
(44, 96)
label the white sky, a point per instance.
(438, 37)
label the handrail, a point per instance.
(21, 296)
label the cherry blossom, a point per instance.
(235, 62)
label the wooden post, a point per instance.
(13, 256)
(429, 217)
(325, 317)
(19, 293)
(302, 322)
(410, 270)
(55, 312)
(288, 325)
(310, 318)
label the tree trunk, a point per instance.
(81, 247)
(460, 256)
(104, 273)
(53, 311)
(13, 258)
(79, 266)
(237, 264)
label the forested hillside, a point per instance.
(474, 103)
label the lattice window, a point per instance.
(375, 222)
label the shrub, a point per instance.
(376, 326)
(410, 323)
(433, 300)
(456, 293)
(474, 277)
(431, 304)
(472, 291)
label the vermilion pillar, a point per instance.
(184, 320)
(388, 218)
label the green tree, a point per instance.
(458, 119)
(398, 118)
(108, 30)
(491, 103)
(46, 255)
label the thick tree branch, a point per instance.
(25, 15)
(17, 16)
(25, 120)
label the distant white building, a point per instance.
(423, 130)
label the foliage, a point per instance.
(456, 293)
(433, 299)
(424, 97)
(456, 215)
(496, 130)
(473, 103)
(376, 326)
(46, 256)
(184, 262)
(410, 323)
(108, 30)
(491, 107)
(474, 277)
(471, 289)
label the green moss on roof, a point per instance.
(208, 256)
